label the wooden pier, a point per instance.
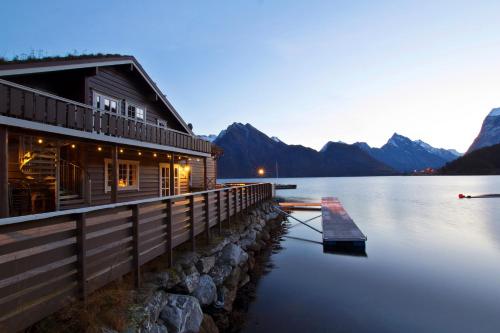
(339, 230)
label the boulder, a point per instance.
(205, 264)
(190, 281)
(155, 328)
(219, 273)
(233, 279)
(187, 259)
(208, 325)
(229, 295)
(244, 279)
(182, 314)
(206, 292)
(232, 254)
(151, 310)
(160, 279)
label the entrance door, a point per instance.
(165, 180)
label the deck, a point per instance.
(338, 227)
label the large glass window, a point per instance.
(136, 112)
(128, 175)
(106, 103)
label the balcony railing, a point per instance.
(48, 260)
(30, 104)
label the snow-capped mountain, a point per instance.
(490, 131)
(406, 155)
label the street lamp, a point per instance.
(261, 172)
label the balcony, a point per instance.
(77, 119)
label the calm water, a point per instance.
(432, 265)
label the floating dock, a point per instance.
(285, 186)
(339, 230)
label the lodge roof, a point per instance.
(33, 65)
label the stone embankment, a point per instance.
(182, 298)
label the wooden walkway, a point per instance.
(338, 227)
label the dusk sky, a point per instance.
(305, 71)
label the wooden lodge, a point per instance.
(64, 123)
(98, 175)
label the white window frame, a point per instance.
(108, 161)
(137, 106)
(161, 123)
(119, 110)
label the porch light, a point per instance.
(261, 172)
(73, 146)
(121, 151)
(99, 148)
(154, 155)
(139, 153)
(40, 141)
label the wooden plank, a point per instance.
(338, 226)
(81, 245)
(51, 111)
(192, 232)
(135, 232)
(29, 105)
(16, 102)
(61, 113)
(40, 108)
(170, 244)
(4, 99)
(4, 172)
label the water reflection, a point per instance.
(433, 263)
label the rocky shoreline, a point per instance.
(198, 293)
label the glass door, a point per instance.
(164, 179)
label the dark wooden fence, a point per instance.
(51, 259)
(34, 105)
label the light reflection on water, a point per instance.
(432, 265)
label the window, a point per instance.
(135, 112)
(128, 175)
(106, 103)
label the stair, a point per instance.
(70, 200)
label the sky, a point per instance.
(307, 72)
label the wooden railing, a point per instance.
(48, 260)
(30, 104)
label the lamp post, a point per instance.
(261, 172)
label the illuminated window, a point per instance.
(128, 175)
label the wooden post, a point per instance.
(219, 212)
(4, 172)
(241, 199)
(114, 174)
(207, 217)
(228, 206)
(135, 233)
(191, 220)
(172, 175)
(81, 255)
(170, 244)
(205, 174)
(57, 185)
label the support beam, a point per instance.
(4, 172)
(205, 174)
(114, 174)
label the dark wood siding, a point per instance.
(149, 169)
(122, 83)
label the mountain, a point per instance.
(483, 161)
(246, 149)
(405, 155)
(210, 137)
(489, 133)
